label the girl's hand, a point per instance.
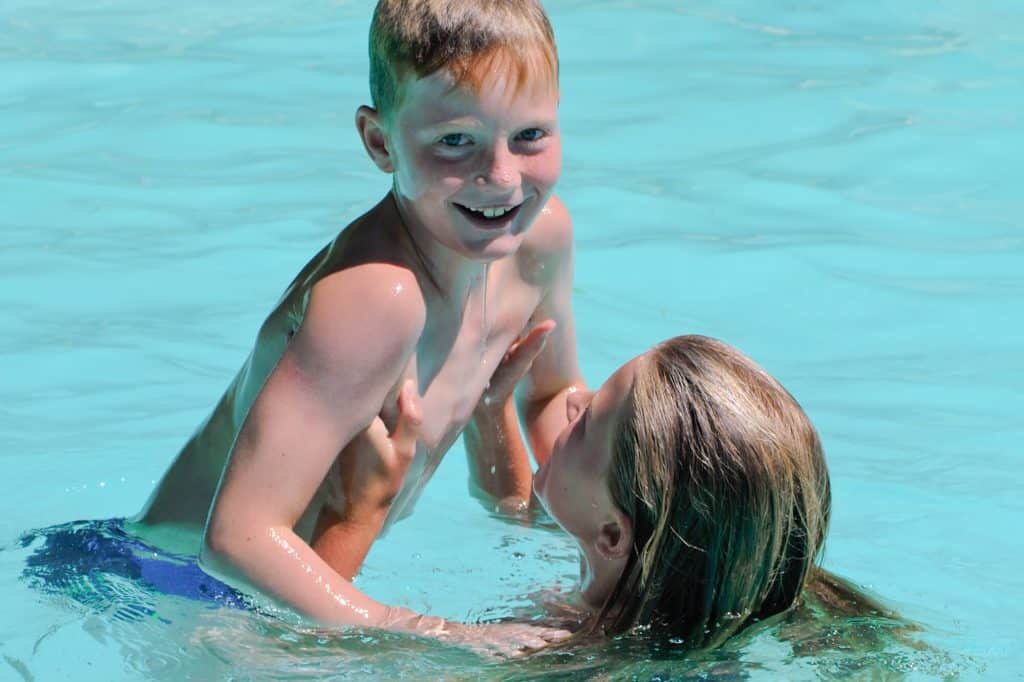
(517, 362)
(362, 484)
(372, 469)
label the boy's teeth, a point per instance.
(492, 212)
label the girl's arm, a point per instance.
(370, 476)
(499, 463)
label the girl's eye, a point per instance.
(455, 140)
(531, 135)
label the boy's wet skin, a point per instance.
(454, 359)
(432, 284)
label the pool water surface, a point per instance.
(833, 188)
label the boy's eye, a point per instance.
(531, 134)
(455, 140)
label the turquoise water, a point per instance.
(834, 188)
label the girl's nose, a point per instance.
(576, 402)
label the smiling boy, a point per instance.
(432, 285)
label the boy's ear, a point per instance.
(375, 139)
(615, 537)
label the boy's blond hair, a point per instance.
(470, 38)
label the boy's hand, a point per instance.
(501, 640)
(514, 366)
(372, 469)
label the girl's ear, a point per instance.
(372, 133)
(615, 537)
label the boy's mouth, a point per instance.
(490, 217)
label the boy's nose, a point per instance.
(499, 168)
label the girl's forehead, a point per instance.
(622, 379)
(615, 393)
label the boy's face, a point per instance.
(474, 170)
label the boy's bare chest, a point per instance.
(452, 368)
(450, 391)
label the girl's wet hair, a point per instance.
(724, 479)
(472, 39)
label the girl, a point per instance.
(693, 483)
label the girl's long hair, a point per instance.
(724, 479)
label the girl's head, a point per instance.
(696, 488)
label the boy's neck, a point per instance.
(454, 275)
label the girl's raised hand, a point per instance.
(517, 362)
(372, 469)
(362, 484)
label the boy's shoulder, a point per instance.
(548, 246)
(372, 304)
(363, 278)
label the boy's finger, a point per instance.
(410, 416)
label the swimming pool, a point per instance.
(833, 189)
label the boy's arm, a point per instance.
(555, 372)
(357, 336)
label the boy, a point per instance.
(431, 286)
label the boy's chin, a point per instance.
(486, 251)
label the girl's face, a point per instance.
(573, 484)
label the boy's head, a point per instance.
(471, 39)
(465, 118)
